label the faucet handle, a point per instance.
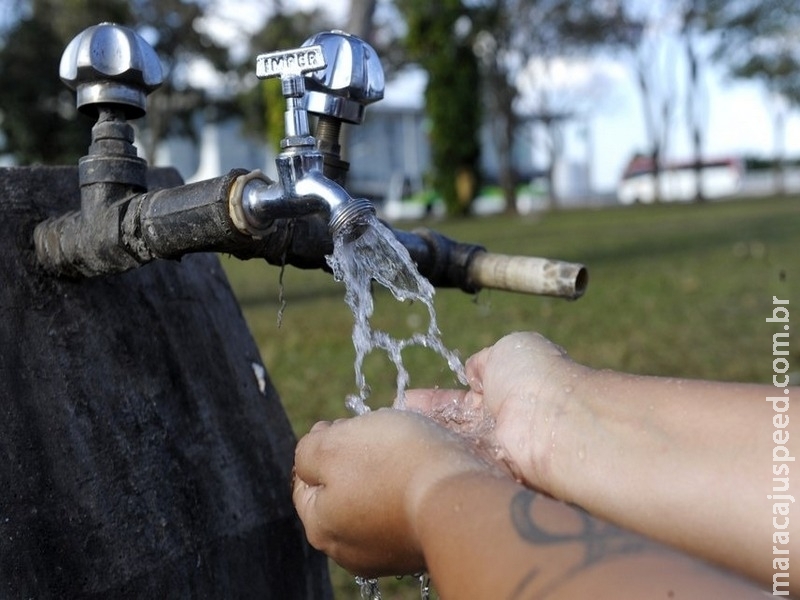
(291, 66)
(287, 64)
(113, 65)
(352, 79)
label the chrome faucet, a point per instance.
(344, 75)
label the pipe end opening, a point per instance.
(581, 282)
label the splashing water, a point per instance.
(368, 588)
(377, 255)
(424, 586)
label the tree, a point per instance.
(694, 16)
(440, 39)
(645, 38)
(495, 45)
(757, 40)
(39, 120)
(359, 19)
(753, 40)
(175, 30)
(37, 112)
(519, 34)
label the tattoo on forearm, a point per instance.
(600, 541)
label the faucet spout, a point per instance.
(346, 215)
(260, 203)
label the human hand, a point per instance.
(359, 482)
(518, 388)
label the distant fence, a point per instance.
(678, 182)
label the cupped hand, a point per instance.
(518, 388)
(359, 481)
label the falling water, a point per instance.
(368, 588)
(377, 255)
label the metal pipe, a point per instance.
(209, 216)
(294, 221)
(172, 222)
(135, 229)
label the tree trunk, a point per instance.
(359, 20)
(555, 146)
(696, 115)
(506, 173)
(779, 127)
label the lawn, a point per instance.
(677, 290)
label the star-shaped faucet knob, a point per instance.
(108, 64)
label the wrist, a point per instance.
(432, 480)
(451, 501)
(560, 414)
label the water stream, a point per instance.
(377, 256)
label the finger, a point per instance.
(303, 493)
(305, 498)
(308, 458)
(316, 450)
(319, 426)
(427, 401)
(475, 368)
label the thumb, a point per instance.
(427, 401)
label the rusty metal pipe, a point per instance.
(114, 237)
(199, 217)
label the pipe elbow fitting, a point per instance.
(75, 246)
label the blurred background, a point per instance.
(496, 105)
(657, 142)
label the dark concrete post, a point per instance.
(144, 452)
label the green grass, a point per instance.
(678, 290)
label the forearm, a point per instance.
(686, 462)
(487, 537)
(471, 548)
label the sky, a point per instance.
(739, 124)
